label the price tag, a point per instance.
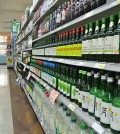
(53, 96)
(98, 128)
(28, 77)
(100, 66)
(71, 106)
(80, 63)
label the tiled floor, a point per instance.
(6, 122)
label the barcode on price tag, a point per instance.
(71, 106)
(28, 77)
(53, 96)
(97, 128)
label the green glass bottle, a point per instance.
(101, 40)
(116, 48)
(85, 42)
(115, 113)
(68, 82)
(95, 42)
(99, 96)
(108, 57)
(92, 95)
(107, 103)
(92, 132)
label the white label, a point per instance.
(115, 118)
(71, 106)
(98, 128)
(109, 44)
(98, 105)
(94, 46)
(85, 100)
(101, 45)
(89, 45)
(63, 15)
(91, 103)
(105, 113)
(73, 92)
(80, 96)
(116, 43)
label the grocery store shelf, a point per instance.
(27, 49)
(97, 65)
(24, 37)
(23, 64)
(35, 8)
(103, 11)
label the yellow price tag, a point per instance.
(102, 66)
(29, 89)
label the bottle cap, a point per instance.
(110, 79)
(82, 28)
(80, 71)
(61, 104)
(103, 77)
(96, 75)
(84, 72)
(83, 126)
(92, 132)
(111, 18)
(89, 74)
(68, 113)
(103, 20)
(73, 119)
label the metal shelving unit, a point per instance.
(23, 64)
(103, 11)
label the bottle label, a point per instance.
(105, 113)
(64, 87)
(116, 44)
(109, 44)
(79, 96)
(84, 46)
(89, 45)
(101, 46)
(98, 105)
(85, 99)
(68, 90)
(73, 92)
(91, 103)
(58, 19)
(94, 46)
(115, 118)
(63, 15)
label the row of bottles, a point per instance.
(56, 118)
(96, 92)
(100, 42)
(66, 13)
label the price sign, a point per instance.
(53, 96)
(98, 128)
(71, 107)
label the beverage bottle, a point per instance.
(100, 2)
(87, 6)
(67, 12)
(116, 43)
(59, 78)
(84, 43)
(93, 4)
(109, 41)
(89, 42)
(67, 38)
(101, 40)
(107, 103)
(63, 14)
(99, 96)
(54, 19)
(64, 81)
(115, 112)
(95, 41)
(77, 8)
(85, 95)
(81, 7)
(58, 17)
(73, 6)
(83, 128)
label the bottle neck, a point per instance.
(89, 81)
(118, 91)
(103, 85)
(96, 82)
(110, 88)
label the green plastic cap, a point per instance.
(60, 104)
(64, 108)
(86, 26)
(92, 132)
(73, 119)
(83, 126)
(103, 20)
(111, 18)
(97, 23)
(84, 72)
(80, 71)
(68, 113)
(90, 25)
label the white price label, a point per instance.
(28, 77)
(97, 128)
(100, 66)
(71, 106)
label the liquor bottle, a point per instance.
(84, 43)
(101, 40)
(115, 112)
(64, 81)
(87, 6)
(67, 12)
(68, 82)
(101, 2)
(92, 132)
(99, 96)
(85, 95)
(107, 103)
(108, 57)
(73, 6)
(67, 38)
(93, 4)
(63, 14)
(77, 8)
(58, 17)
(116, 48)
(95, 41)
(89, 42)
(81, 7)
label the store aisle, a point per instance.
(6, 121)
(24, 119)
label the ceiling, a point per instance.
(9, 10)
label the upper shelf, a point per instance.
(91, 64)
(103, 11)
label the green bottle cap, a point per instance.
(68, 113)
(80, 71)
(73, 119)
(92, 132)
(90, 25)
(84, 72)
(97, 23)
(86, 26)
(103, 20)
(64, 108)
(83, 126)
(111, 18)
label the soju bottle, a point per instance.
(84, 43)
(107, 104)
(101, 40)
(83, 128)
(99, 96)
(58, 17)
(59, 77)
(116, 47)
(115, 114)
(95, 41)
(64, 81)
(85, 95)
(109, 41)
(68, 82)
(92, 95)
